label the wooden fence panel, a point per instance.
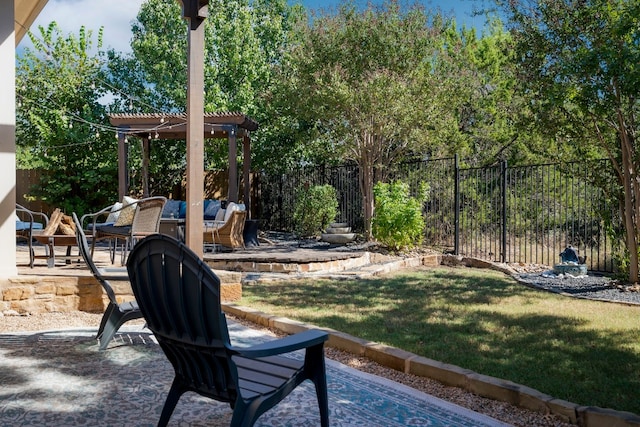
(25, 180)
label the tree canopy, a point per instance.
(243, 40)
(374, 85)
(578, 63)
(60, 120)
(383, 84)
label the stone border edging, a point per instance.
(451, 375)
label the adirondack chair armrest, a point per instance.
(287, 344)
(114, 274)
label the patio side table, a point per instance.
(173, 227)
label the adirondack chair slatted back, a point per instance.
(179, 296)
(180, 300)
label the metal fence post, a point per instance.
(503, 171)
(456, 207)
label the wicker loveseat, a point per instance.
(227, 228)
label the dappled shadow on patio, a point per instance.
(61, 378)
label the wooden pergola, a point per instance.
(148, 127)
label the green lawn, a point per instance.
(586, 352)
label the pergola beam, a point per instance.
(173, 126)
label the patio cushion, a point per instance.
(220, 215)
(211, 208)
(183, 209)
(99, 225)
(171, 207)
(123, 231)
(231, 207)
(127, 212)
(115, 212)
(24, 225)
(212, 225)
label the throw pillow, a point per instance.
(171, 207)
(127, 212)
(220, 215)
(231, 207)
(115, 213)
(182, 213)
(211, 209)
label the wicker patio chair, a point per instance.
(116, 313)
(228, 233)
(146, 221)
(28, 223)
(179, 296)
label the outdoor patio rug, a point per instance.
(60, 378)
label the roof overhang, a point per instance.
(26, 12)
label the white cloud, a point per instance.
(114, 15)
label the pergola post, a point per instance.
(146, 160)
(232, 194)
(123, 181)
(246, 173)
(195, 11)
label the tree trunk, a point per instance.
(631, 197)
(365, 175)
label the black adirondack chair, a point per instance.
(116, 313)
(179, 296)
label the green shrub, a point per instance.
(315, 208)
(397, 220)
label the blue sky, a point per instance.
(116, 15)
(461, 9)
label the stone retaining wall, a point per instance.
(39, 294)
(291, 266)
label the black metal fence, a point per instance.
(522, 214)
(277, 195)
